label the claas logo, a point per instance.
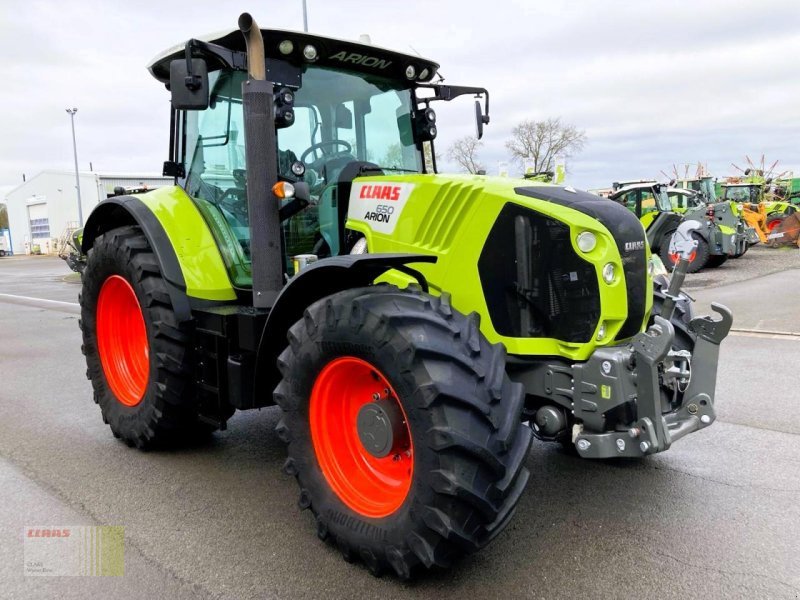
(380, 192)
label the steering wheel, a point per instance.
(320, 145)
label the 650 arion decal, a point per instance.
(378, 204)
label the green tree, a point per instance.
(3, 216)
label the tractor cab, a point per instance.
(743, 193)
(340, 109)
(644, 198)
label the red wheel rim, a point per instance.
(674, 256)
(122, 341)
(370, 486)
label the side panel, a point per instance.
(198, 255)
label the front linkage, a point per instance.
(650, 362)
(636, 399)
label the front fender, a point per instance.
(315, 282)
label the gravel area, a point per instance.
(759, 261)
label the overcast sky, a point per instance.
(653, 83)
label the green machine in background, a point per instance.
(660, 208)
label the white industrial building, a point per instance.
(44, 208)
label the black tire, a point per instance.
(2, 253)
(167, 411)
(463, 412)
(716, 260)
(701, 253)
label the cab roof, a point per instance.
(331, 52)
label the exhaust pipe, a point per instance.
(254, 41)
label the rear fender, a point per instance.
(178, 234)
(120, 211)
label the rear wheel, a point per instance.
(403, 429)
(774, 222)
(137, 353)
(697, 260)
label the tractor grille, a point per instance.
(629, 235)
(534, 283)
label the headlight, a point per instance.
(601, 332)
(586, 241)
(609, 273)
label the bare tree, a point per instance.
(543, 141)
(3, 216)
(464, 151)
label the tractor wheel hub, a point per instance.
(380, 426)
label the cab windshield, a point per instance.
(342, 117)
(742, 193)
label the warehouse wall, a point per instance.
(52, 193)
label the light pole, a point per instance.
(72, 112)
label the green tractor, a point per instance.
(722, 233)
(771, 201)
(415, 330)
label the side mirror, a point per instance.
(480, 119)
(188, 84)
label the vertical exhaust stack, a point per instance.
(261, 153)
(256, 65)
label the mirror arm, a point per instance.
(450, 92)
(192, 81)
(229, 58)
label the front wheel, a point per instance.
(404, 432)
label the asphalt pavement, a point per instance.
(717, 516)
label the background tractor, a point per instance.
(410, 326)
(660, 208)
